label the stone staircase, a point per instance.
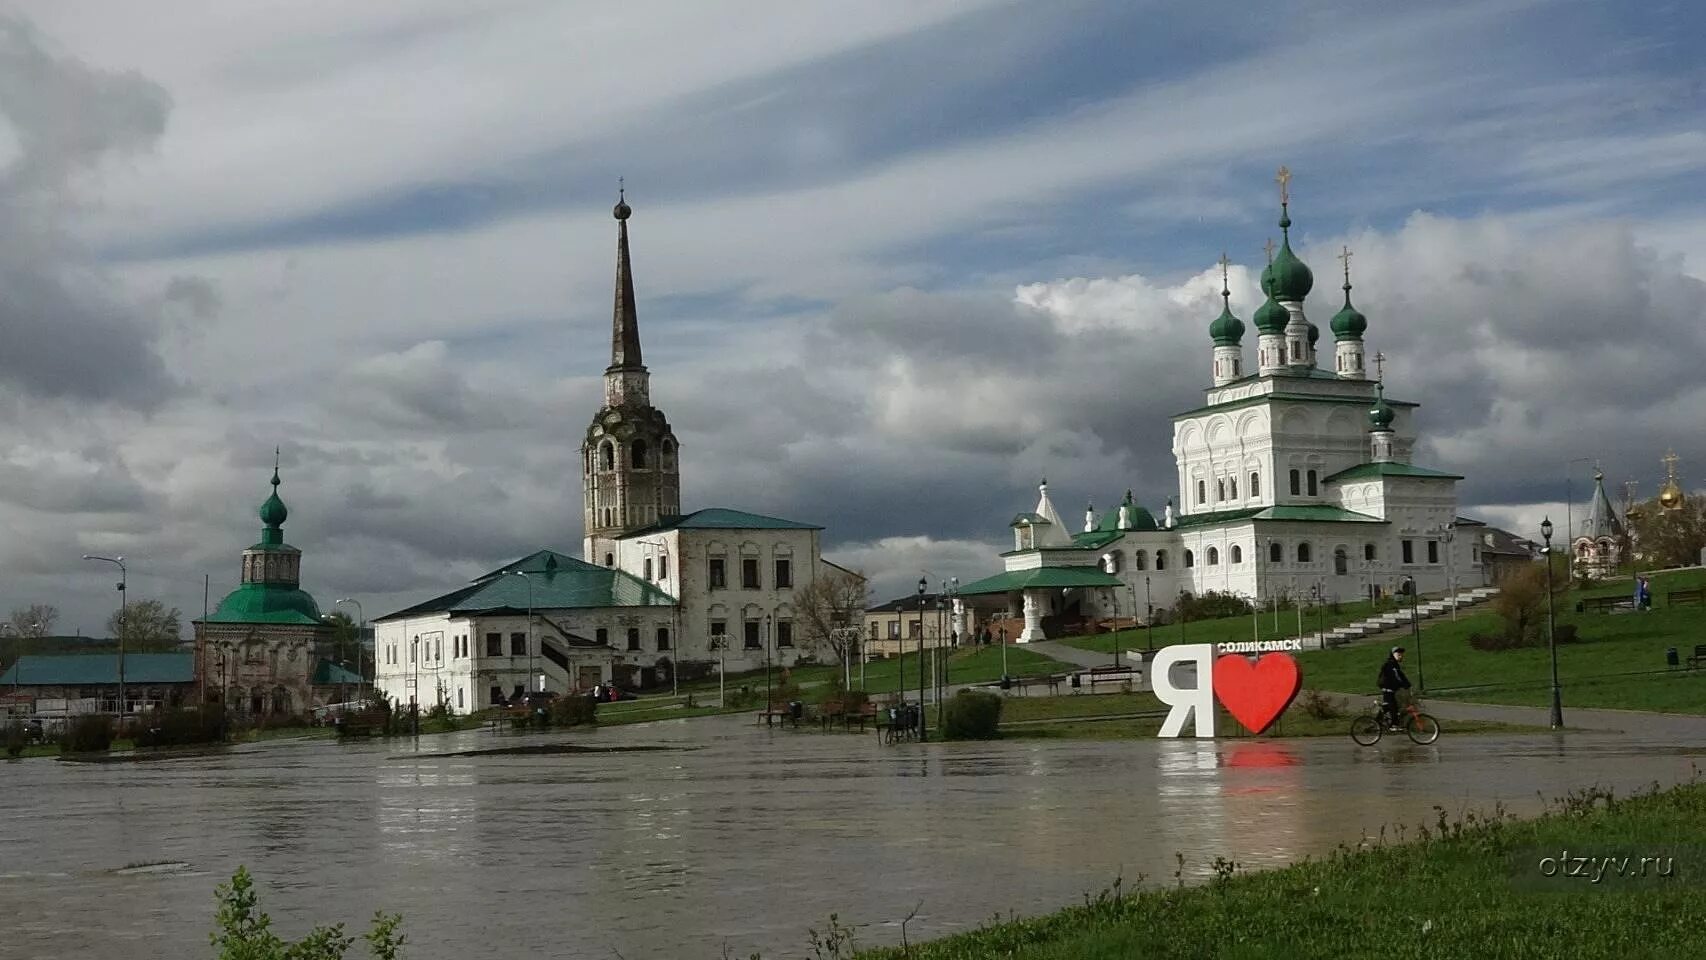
(1394, 619)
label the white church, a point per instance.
(1293, 480)
(656, 593)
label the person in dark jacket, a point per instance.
(1391, 681)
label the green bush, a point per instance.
(171, 728)
(17, 738)
(972, 715)
(573, 710)
(743, 698)
(91, 733)
(1321, 706)
(245, 933)
(1212, 605)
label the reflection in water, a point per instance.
(749, 840)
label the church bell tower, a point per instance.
(630, 472)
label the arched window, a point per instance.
(1313, 489)
(607, 456)
(1160, 559)
(1276, 553)
(648, 567)
(1303, 553)
(610, 560)
(1214, 556)
(1237, 554)
(1341, 562)
(1232, 487)
(637, 455)
(1140, 559)
(1296, 483)
(1255, 484)
(1190, 559)
(666, 453)
(1112, 562)
(1220, 489)
(1368, 551)
(1202, 491)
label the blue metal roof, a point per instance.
(94, 669)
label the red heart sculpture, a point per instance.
(1256, 694)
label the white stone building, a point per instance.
(1292, 481)
(658, 593)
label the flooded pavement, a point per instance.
(744, 838)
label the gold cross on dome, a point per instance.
(1380, 366)
(1268, 248)
(1225, 262)
(1670, 458)
(1345, 258)
(1283, 178)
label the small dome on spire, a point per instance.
(1380, 416)
(1227, 330)
(1289, 280)
(1348, 323)
(622, 211)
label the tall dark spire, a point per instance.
(625, 322)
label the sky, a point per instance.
(895, 262)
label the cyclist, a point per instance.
(1391, 681)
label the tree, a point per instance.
(145, 624)
(34, 621)
(1521, 601)
(345, 639)
(1669, 538)
(830, 609)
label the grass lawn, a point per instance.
(1609, 644)
(1228, 629)
(965, 665)
(1020, 716)
(1469, 888)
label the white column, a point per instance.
(1033, 620)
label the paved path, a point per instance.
(1073, 655)
(1683, 728)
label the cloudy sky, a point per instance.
(895, 261)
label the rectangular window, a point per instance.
(663, 567)
(438, 649)
(1409, 551)
(494, 644)
(1433, 551)
(749, 573)
(719, 631)
(1202, 491)
(784, 574)
(784, 633)
(1296, 486)
(518, 644)
(717, 574)
(914, 629)
(663, 638)
(1313, 490)
(497, 695)
(633, 638)
(1368, 551)
(894, 630)
(751, 628)
(602, 635)
(459, 702)
(648, 568)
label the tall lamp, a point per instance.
(1557, 719)
(923, 588)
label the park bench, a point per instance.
(1699, 656)
(1052, 681)
(896, 723)
(1112, 674)
(780, 712)
(1690, 598)
(1603, 604)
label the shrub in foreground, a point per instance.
(173, 728)
(972, 715)
(245, 933)
(574, 710)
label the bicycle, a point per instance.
(1368, 728)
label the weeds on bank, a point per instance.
(243, 932)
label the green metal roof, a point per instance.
(1366, 471)
(1292, 397)
(1314, 512)
(327, 673)
(1041, 578)
(722, 518)
(94, 669)
(273, 603)
(560, 582)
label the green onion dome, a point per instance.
(1291, 280)
(1227, 330)
(1380, 416)
(273, 512)
(1270, 317)
(1314, 335)
(1348, 323)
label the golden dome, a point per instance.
(1670, 495)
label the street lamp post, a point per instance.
(1416, 635)
(767, 704)
(923, 586)
(1148, 618)
(530, 663)
(1557, 719)
(123, 619)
